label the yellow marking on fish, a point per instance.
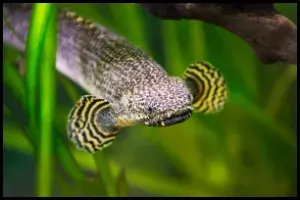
(79, 20)
(84, 125)
(71, 14)
(210, 85)
(91, 26)
(123, 122)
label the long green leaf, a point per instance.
(47, 99)
(34, 46)
(104, 171)
(121, 183)
(150, 182)
(280, 87)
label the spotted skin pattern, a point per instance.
(136, 90)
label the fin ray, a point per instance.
(208, 87)
(84, 126)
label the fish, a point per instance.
(125, 86)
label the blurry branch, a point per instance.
(271, 35)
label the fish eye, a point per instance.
(150, 109)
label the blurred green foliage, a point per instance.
(248, 149)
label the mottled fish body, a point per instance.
(86, 49)
(127, 87)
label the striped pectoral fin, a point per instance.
(207, 86)
(91, 124)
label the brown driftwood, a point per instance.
(271, 35)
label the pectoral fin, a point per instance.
(91, 124)
(207, 86)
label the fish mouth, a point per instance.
(173, 119)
